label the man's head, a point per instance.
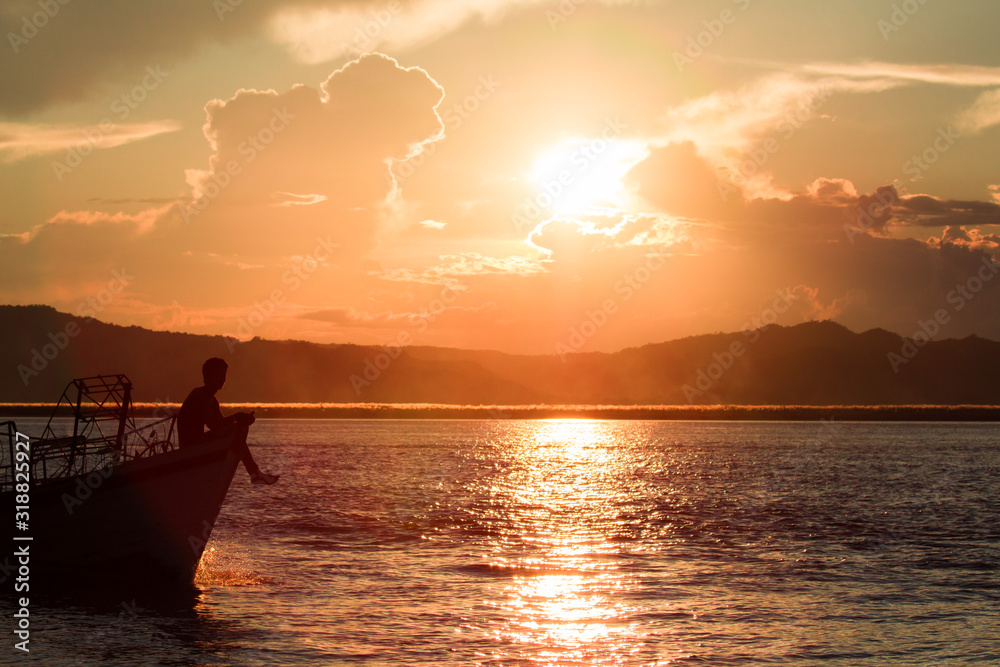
(213, 372)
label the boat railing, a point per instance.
(68, 456)
(8, 455)
(105, 434)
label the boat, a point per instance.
(112, 500)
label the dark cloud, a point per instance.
(349, 317)
(955, 234)
(875, 211)
(838, 244)
(680, 182)
(83, 45)
(927, 211)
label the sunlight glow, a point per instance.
(577, 175)
(562, 604)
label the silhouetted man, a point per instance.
(201, 409)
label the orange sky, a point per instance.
(507, 174)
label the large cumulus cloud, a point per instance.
(287, 167)
(312, 187)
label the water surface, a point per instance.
(579, 542)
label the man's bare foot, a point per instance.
(263, 478)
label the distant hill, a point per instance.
(816, 363)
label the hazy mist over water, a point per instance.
(576, 542)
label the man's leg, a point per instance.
(243, 451)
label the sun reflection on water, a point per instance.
(563, 602)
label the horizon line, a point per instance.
(517, 354)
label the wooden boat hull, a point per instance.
(144, 521)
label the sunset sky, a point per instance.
(496, 174)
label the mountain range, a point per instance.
(815, 363)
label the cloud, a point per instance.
(983, 114)
(738, 130)
(320, 153)
(728, 126)
(454, 267)
(297, 217)
(429, 317)
(316, 34)
(19, 141)
(679, 181)
(290, 199)
(324, 141)
(945, 74)
(351, 317)
(574, 239)
(72, 255)
(76, 222)
(927, 211)
(85, 47)
(972, 239)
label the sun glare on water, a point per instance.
(560, 603)
(583, 174)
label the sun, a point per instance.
(579, 175)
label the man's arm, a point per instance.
(214, 419)
(213, 415)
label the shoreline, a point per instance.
(938, 413)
